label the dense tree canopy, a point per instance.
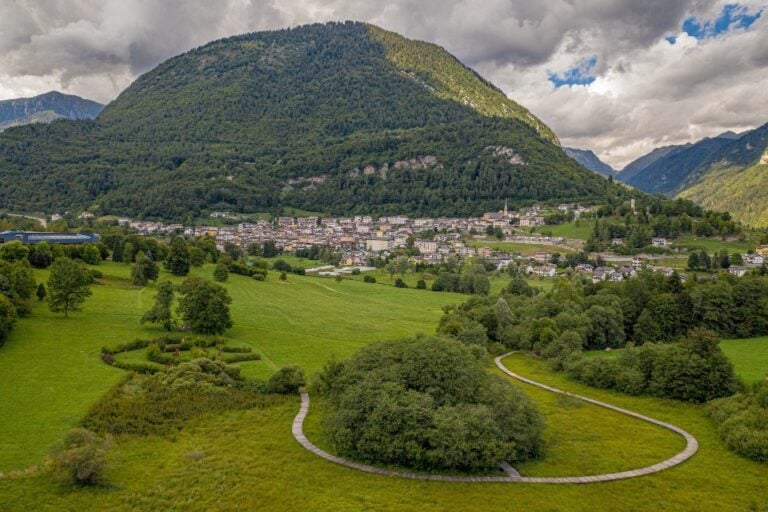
(427, 403)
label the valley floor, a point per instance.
(249, 460)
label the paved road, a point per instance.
(691, 446)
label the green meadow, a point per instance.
(52, 372)
(248, 459)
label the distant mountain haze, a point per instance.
(589, 160)
(46, 108)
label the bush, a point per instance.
(144, 405)
(742, 422)
(287, 380)
(221, 272)
(243, 356)
(82, 458)
(369, 279)
(399, 283)
(7, 318)
(427, 403)
(421, 284)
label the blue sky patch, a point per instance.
(733, 16)
(582, 74)
(671, 39)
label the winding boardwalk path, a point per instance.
(691, 446)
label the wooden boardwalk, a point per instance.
(691, 446)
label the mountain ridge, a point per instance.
(321, 117)
(590, 160)
(45, 108)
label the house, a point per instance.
(753, 260)
(762, 250)
(544, 270)
(426, 246)
(660, 242)
(86, 215)
(531, 222)
(737, 270)
(485, 252)
(541, 257)
(617, 241)
(34, 237)
(377, 244)
(585, 267)
(602, 274)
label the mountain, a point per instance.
(670, 169)
(735, 178)
(590, 160)
(336, 118)
(46, 108)
(637, 166)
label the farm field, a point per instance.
(714, 244)
(520, 248)
(51, 367)
(580, 230)
(252, 462)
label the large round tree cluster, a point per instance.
(428, 404)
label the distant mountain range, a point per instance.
(590, 160)
(336, 118)
(727, 172)
(46, 108)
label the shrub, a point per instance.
(287, 380)
(82, 458)
(399, 283)
(221, 273)
(421, 284)
(369, 279)
(144, 405)
(243, 356)
(427, 403)
(742, 422)
(7, 318)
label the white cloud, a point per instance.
(646, 93)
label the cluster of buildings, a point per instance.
(34, 237)
(359, 237)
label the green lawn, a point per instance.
(714, 244)
(51, 371)
(749, 356)
(580, 229)
(252, 462)
(515, 247)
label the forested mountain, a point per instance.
(735, 178)
(590, 160)
(668, 174)
(638, 165)
(46, 108)
(337, 118)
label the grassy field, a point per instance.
(252, 462)
(580, 230)
(714, 244)
(749, 357)
(51, 371)
(519, 248)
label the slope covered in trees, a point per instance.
(337, 118)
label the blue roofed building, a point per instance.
(33, 237)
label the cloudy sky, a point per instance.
(619, 77)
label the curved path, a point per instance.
(691, 446)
